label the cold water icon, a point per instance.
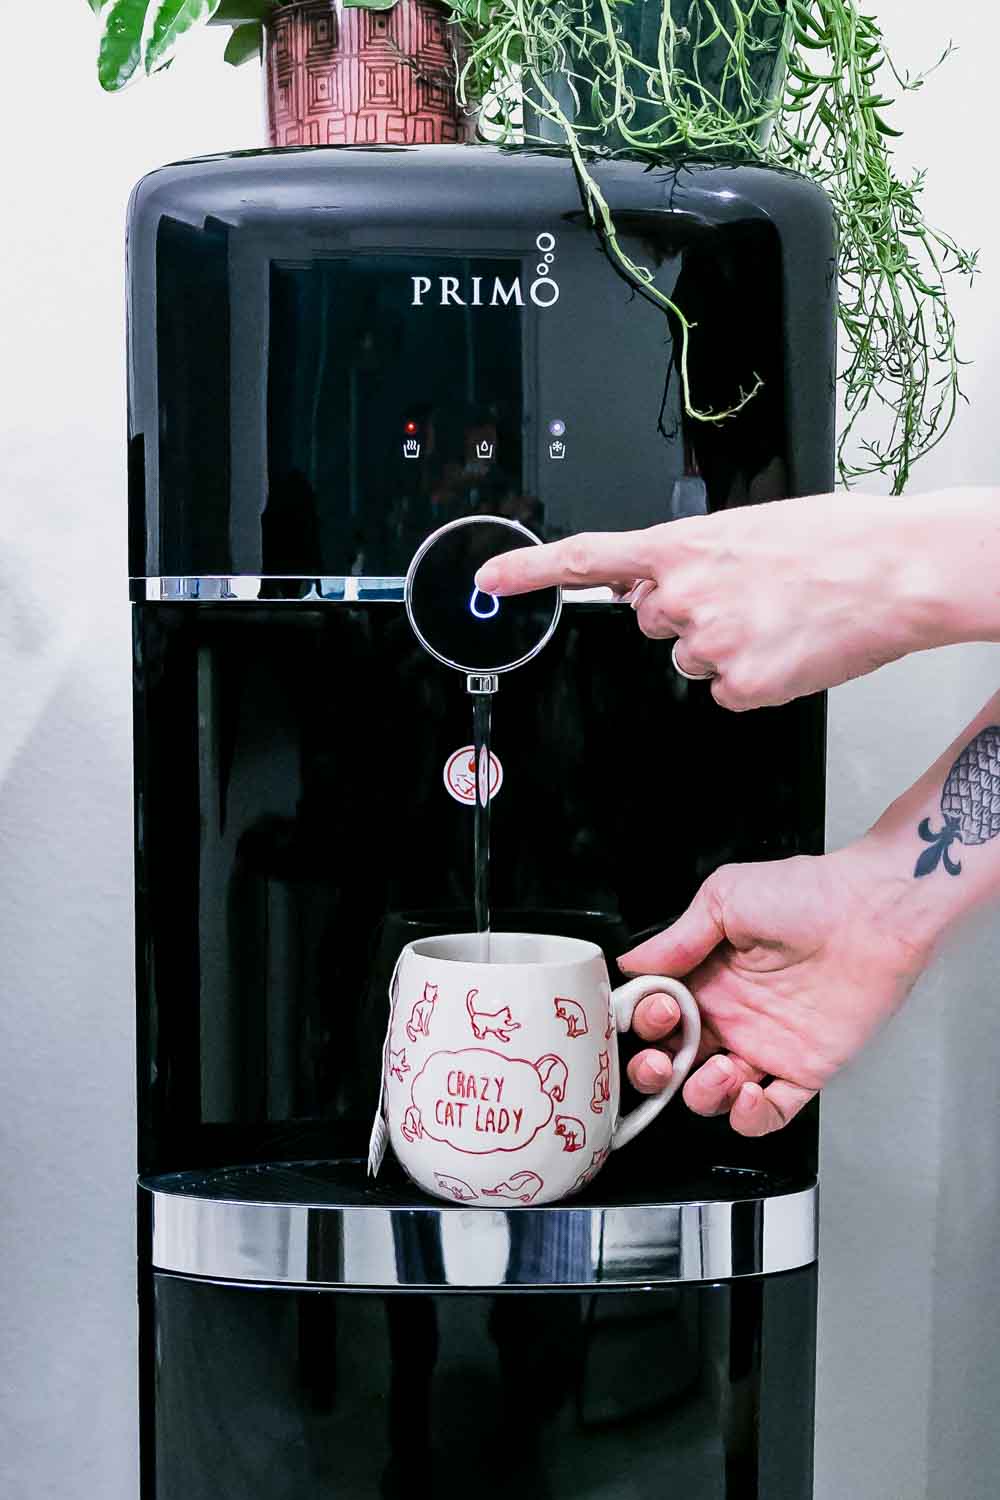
(476, 608)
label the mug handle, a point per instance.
(625, 999)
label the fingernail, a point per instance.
(662, 1012)
(722, 1069)
(487, 578)
(653, 1072)
(749, 1094)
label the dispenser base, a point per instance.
(264, 1394)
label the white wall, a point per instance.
(909, 1316)
(69, 158)
(909, 1375)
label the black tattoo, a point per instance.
(970, 804)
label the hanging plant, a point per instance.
(803, 84)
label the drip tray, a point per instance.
(346, 1184)
(325, 1223)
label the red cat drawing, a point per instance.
(419, 1023)
(602, 1084)
(412, 1126)
(596, 1163)
(484, 1022)
(524, 1186)
(553, 1072)
(572, 1012)
(573, 1132)
(454, 1187)
(398, 1064)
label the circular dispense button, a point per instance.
(462, 627)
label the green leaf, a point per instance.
(246, 42)
(168, 23)
(369, 4)
(883, 128)
(95, 6)
(120, 49)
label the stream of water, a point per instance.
(481, 718)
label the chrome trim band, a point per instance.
(260, 588)
(446, 1247)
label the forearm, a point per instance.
(934, 855)
(940, 555)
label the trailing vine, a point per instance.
(707, 86)
(803, 84)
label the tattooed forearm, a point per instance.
(970, 804)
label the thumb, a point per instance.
(685, 944)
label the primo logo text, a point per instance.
(482, 291)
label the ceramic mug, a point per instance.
(502, 1079)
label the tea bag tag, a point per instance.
(379, 1139)
(377, 1144)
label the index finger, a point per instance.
(577, 561)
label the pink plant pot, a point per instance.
(340, 77)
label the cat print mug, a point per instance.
(502, 1079)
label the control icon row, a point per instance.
(484, 450)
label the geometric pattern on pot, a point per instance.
(339, 77)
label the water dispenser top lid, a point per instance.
(474, 632)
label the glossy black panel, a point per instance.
(331, 352)
(294, 831)
(702, 1391)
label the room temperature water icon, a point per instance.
(483, 606)
(484, 449)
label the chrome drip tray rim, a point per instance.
(320, 1224)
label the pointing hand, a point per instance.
(776, 601)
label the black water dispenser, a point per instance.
(334, 353)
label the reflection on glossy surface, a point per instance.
(704, 1392)
(332, 352)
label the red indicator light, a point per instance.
(410, 427)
